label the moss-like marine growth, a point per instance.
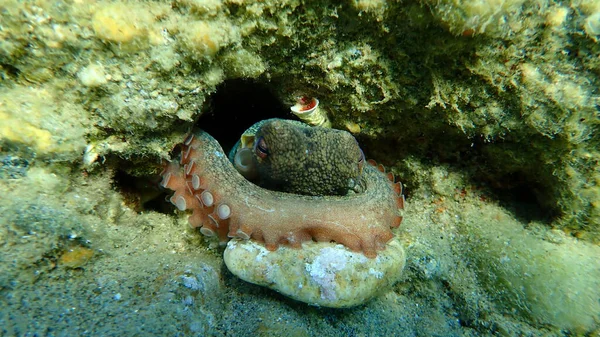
(502, 91)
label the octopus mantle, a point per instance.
(225, 204)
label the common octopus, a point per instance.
(340, 200)
(291, 156)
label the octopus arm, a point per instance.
(225, 204)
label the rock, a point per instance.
(320, 274)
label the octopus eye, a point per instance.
(361, 161)
(261, 149)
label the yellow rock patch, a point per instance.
(76, 257)
(22, 132)
(125, 23)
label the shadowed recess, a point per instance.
(234, 107)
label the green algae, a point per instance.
(466, 100)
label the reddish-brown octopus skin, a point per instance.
(225, 204)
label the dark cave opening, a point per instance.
(523, 197)
(522, 192)
(141, 193)
(235, 106)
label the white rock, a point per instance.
(321, 274)
(92, 76)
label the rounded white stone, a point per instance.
(92, 76)
(322, 274)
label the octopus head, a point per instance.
(294, 158)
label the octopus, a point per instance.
(343, 199)
(290, 156)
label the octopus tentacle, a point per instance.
(226, 205)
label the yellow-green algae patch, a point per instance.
(38, 118)
(546, 276)
(478, 16)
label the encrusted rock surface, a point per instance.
(321, 274)
(487, 110)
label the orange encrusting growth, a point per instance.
(225, 204)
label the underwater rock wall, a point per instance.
(496, 74)
(500, 93)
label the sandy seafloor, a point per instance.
(487, 111)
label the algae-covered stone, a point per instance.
(321, 273)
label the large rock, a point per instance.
(321, 274)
